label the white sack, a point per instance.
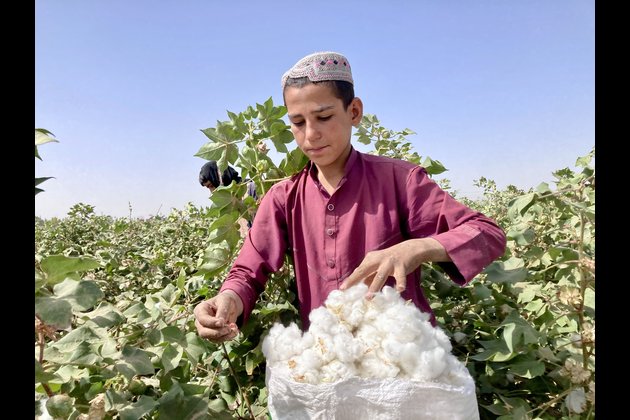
(370, 399)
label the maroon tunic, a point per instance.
(378, 203)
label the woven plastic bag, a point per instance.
(374, 399)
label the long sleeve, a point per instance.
(262, 253)
(471, 239)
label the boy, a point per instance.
(347, 216)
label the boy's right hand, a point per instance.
(215, 318)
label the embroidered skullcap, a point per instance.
(320, 66)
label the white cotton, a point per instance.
(408, 358)
(282, 342)
(322, 320)
(308, 377)
(309, 359)
(372, 366)
(368, 336)
(431, 364)
(458, 336)
(349, 307)
(391, 347)
(336, 370)
(576, 401)
(324, 347)
(347, 347)
(350, 336)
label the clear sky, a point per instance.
(499, 89)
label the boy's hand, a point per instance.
(397, 261)
(215, 318)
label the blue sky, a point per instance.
(499, 89)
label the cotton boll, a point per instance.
(400, 329)
(391, 350)
(349, 306)
(409, 358)
(300, 372)
(443, 340)
(369, 336)
(336, 370)
(456, 373)
(281, 368)
(576, 401)
(307, 377)
(322, 320)
(427, 339)
(373, 366)
(347, 348)
(288, 343)
(432, 364)
(354, 313)
(324, 347)
(270, 343)
(309, 359)
(383, 325)
(372, 312)
(307, 340)
(390, 294)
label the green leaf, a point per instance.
(481, 292)
(293, 162)
(53, 311)
(225, 229)
(433, 167)
(180, 282)
(175, 405)
(145, 405)
(171, 356)
(518, 413)
(517, 331)
(193, 389)
(84, 354)
(215, 258)
(219, 409)
(137, 360)
(528, 369)
(115, 400)
(281, 139)
(543, 188)
(195, 347)
(495, 350)
(57, 267)
(584, 161)
(40, 180)
(520, 205)
(42, 376)
(106, 315)
(210, 151)
(60, 406)
(82, 295)
(521, 236)
(43, 136)
(249, 365)
(511, 271)
(223, 199)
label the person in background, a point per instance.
(347, 217)
(209, 178)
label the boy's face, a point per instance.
(321, 126)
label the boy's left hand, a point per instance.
(397, 261)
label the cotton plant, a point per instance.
(350, 336)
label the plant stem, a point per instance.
(240, 390)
